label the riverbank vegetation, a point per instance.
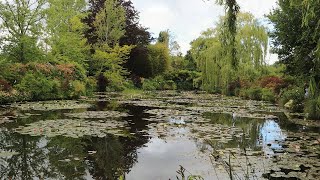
(65, 49)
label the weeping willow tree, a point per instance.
(232, 10)
(214, 61)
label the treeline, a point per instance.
(61, 49)
(232, 60)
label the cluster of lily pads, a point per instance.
(51, 105)
(97, 114)
(73, 128)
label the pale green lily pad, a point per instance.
(98, 114)
(73, 128)
(52, 105)
(7, 154)
(4, 120)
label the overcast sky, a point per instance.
(186, 19)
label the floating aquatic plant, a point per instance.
(73, 128)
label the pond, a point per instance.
(156, 136)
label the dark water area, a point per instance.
(146, 152)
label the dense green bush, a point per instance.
(43, 81)
(158, 59)
(91, 85)
(37, 86)
(159, 83)
(149, 85)
(13, 96)
(184, 79)
(312, 108)
(296, 95)
(254, 93)
(267, 95)
(78, 89)
(115, 81)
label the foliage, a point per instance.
(296, 94)
(268, 95)
(213, 60)
(158, 83)
(312, 108)
(184, 79)
(255, 93)
(313, 102)
(158, 59)
(37, 81)
(164, 37)
(134, 33)
(79, 88)
(91, 85)
(272, 82)
(149, 85)
(109, 23)
(108, 61)
(13, 96)
(66, 40)
(37, 85)
(296, 36)
(21, 25)
(109, 57)
(229, 38)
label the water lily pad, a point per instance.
(97, 114)
(72, 128)
(51, 105)
(7, 153)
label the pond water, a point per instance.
(111, 136)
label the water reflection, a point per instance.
(145, 155)
(161, 158)
(265, 135)
(272, 137)
(68, 158)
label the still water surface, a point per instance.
(145, 154)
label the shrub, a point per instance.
(163, 84)
(296, 94)
(272, 82)
(268, 95)
(159, 83)
(5, 86)
(149, 85)
(255, 93)
(115, 81)
(91, 85)
(37, 85)
(184, 79)
(158, 59)
(78, 89)
(233, 87)
(312, 107)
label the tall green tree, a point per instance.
(213, 59)
(109, 57)
(296, 37)
(164, 37)
(66, 30)
(232, 9)
(22, 25)
(110, 23)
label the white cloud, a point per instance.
(257, 7)
(157, 17)
(186, 19)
